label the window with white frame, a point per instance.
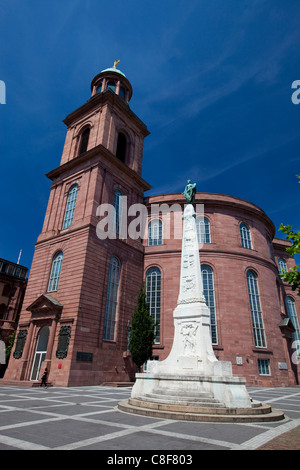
(291, 311)
(55, 272)
(153, 297)
(209, 294)
(118, 209)
(70, 207)
(256, 313)
(203, 230)
(155, 232)
(112, 299)
(245, 236)
(282, 266)
(264, 366)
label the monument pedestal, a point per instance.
(191, 369)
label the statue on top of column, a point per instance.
(190, 192)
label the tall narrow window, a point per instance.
(122, 92)
(291, 311)
(153, 297)
(99, 88)
(112, 299)
(270, 248)
(71, 202)
(40, 352)
(118, 209)
(203, 230)
(111, 86)
(84, 140)
(55, 272)
(282, 266)
(155, 233)
(256, 314)
(245, 236)
(278, 293)
(121, 147)
(209, 294)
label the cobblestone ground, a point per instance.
(87, 418)
(287, 441)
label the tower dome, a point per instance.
(114, 80)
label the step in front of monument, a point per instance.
(199, 400)
(182, 393)
(262, 413)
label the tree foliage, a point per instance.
(142, 332)
(10, 345)
(293, 275)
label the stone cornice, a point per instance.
(215, 200)
(215, 253)
(98, 101)
(90, 158)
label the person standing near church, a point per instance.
(44, 378)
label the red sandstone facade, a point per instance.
(75, 323)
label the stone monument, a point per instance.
(191, 383)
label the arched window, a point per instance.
(282, 266)
(121, 147)
(55, 272)
(70, 207)
(245, 236)
(40, 352)
(112, 299)
(203, 230)
(84, 140)
(111, 86)
(209, 294)
(256, 314)
(153, 297)
(118, 209)
(99, 88)
(122, 92)
(155, 232)
(291, 311)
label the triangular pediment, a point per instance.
(286, 323)
(44, 303)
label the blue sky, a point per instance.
(211, 79)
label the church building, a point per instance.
(83, 286)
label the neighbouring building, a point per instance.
(13, 282)
(83, 287)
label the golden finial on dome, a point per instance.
(115, 63)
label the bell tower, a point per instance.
(82, 289)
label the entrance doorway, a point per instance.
(40, 352)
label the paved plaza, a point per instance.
(87, 418)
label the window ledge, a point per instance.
(262, 350)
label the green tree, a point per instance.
(293, 275)
(9, 347)
(142, 331)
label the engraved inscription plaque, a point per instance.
(63, 342)
(21, 338)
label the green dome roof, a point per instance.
(111, 69)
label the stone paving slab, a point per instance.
(87, 418)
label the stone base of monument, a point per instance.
(196, 398)
(191, 384)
